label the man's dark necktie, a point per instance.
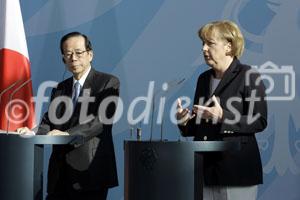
(76, 92)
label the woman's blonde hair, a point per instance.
(226, 30)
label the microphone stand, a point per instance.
(161, 128)
(152, 111)
(170, 85)
(166, 91)
(152, 115)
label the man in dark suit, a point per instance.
(85, 171)
(239, 113)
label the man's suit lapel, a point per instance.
(228, 76)
(89, 84)
(88, 90)
(67, 89)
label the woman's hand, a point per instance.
(214, 113)
(183, 115)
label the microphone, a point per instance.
(170, 84)
(10, 98)
(166, 91)
(8, 88)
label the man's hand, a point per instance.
(57, 132)
(214, 113)
(25, 131)
(183, 115)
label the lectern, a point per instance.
(160, 170)
(21, 164)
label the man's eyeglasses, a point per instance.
(78, 54)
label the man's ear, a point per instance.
(63, 59)
(91, 54)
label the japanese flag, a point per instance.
(16, 105)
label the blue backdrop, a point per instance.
(141, 41)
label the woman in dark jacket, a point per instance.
(229, 104)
